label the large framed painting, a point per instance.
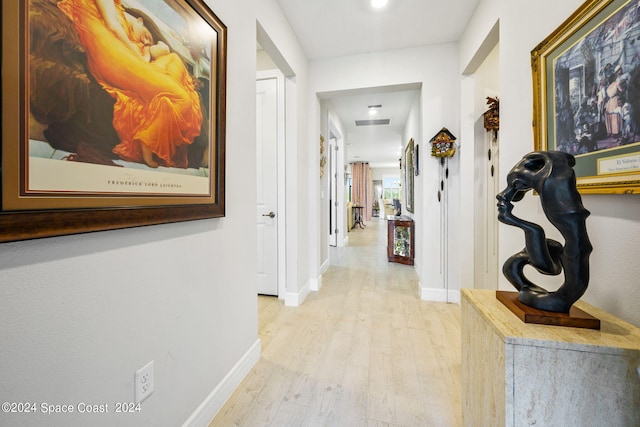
(408, 174)
(587, 94)
(113, 115)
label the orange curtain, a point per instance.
(362, 190)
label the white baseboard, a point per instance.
(294, 299)
(208, 409)
(439, 295)
(325, 266)
(316, 284)
(418, 269)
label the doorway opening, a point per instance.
(269, 125)
(367, 125)
(275, 89)
(482, 171)
(486, 172)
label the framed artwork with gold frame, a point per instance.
(586, 81)
(113, 115)
(409, 166)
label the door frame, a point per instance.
(281, 193)
(473, 95)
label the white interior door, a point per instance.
(491, 261)
(486, 215)
(486, 81)
(267, 185)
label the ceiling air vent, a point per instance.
(375, 122)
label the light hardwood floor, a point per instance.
(363, 351)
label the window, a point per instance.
(391, 187)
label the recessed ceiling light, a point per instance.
(373, 109)
(378, 4)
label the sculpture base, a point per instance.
(575, 319)
(516, 373)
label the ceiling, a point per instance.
(379, 145)
(328, 28)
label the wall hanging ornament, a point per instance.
(442, 147)
(443, 144)
(492, 116)
(492, 123)
(323, 158)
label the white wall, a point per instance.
(613, 224)
(435, 67)
(412, 130)
(379, 173)
(264, 61)
(80, 314)
(323, 214)
(328, 120)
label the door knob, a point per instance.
(270, 214)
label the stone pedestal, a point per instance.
(519, 374)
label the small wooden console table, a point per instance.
(400, 239)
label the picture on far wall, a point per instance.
(409, 174)
(110, 123)
(586, 77)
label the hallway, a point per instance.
(363, 351)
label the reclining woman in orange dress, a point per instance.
(157, 112)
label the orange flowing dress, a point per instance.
(156, 102)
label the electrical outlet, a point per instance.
(144, 382)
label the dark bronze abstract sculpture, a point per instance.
(551, 175)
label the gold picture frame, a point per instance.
(583, 101)
(96, 139)
(409, 165)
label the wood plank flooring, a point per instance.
(363, 351)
